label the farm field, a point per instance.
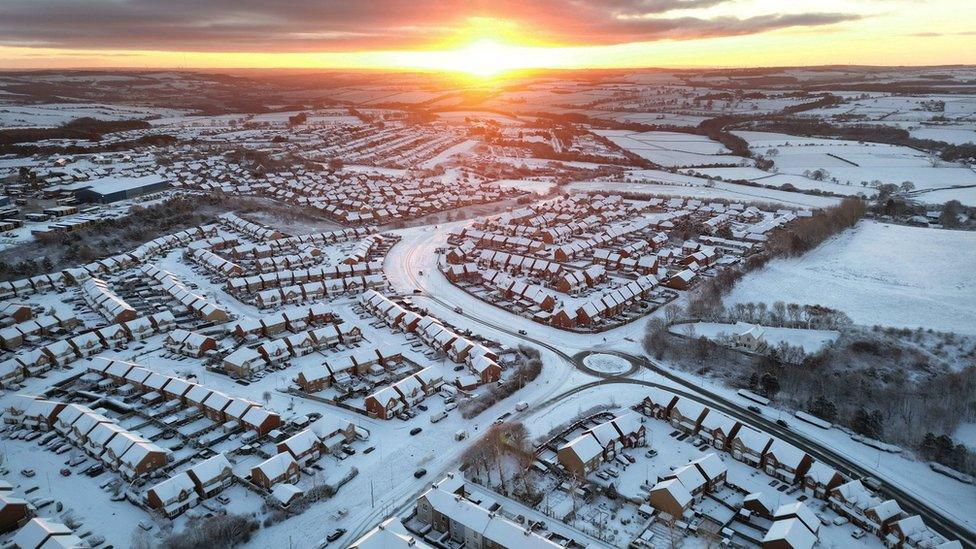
(878, 273)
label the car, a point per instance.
(417, 291)
(458, 310)
(523, 332)
(782, 423)
(422, 407)
(223, 499)
(754, 409)
(458, 368)
(603, 475)
(415, 431)
(629, 458)
(336, 534)
(857, 533)
(95, 470)
(65, 472)
(872, 483)
(419, 473)
(348, 450)
(650, 453)
(28, 472)
(368, 450)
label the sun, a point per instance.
(485, 58)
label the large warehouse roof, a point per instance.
(114, 184)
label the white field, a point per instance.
(55, 114)
(878, 273)
(965, 195)
(697, 188)
(778, 179)
(674, 148)
(810, 340)
(851, 162)
(955, 134)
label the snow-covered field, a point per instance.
(56, 114)
(851, 163)
(810, 340)
(728, 191)
(880, 274)
(673, 148)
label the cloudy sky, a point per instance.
(417, 33)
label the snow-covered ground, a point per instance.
(878, 273)
(810, 340)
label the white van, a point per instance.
(438, 416)
(521, 406)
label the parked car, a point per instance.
(368, 450)
(336, 534)
(65, 472)
(419, 473)
(28, 472)
(415, 431)
(782, 423)
(754, 408)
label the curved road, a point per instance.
(410, 269)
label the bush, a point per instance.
(215, 531)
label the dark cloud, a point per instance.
(311, 25)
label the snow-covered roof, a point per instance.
(792, 532)
(800, 511)
(33, 534)
(585, 446)
(678, 492)
(276, 466)
(171, 488)
(210, 469)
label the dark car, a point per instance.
(419, 473)
(523, 332)
(458, 368)
(65, 472)
(423, 407)
(417, 291)
(754, 409)
(336, 534)
(368, 450)
(782, 423)
(415, 430)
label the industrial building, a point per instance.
(113, 189)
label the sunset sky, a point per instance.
(483, 37)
